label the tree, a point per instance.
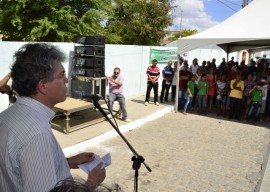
(53, 20)
(184, 33)
(140, 22)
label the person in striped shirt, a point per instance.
(153, 74)
(167, 74)
(30, 157)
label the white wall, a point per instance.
(133, 62)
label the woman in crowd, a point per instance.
(236, 96)
(211, 79)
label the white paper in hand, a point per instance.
(88, 167)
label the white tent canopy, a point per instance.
(247, 29)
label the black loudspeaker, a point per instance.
(90, 40)
(89, 51)
(91, 86)
(97, 72)
(94, 62)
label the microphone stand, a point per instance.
(136, 159)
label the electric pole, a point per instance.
(245, 3)
(181, 22)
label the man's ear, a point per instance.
(41, 87)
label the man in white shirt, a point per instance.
(30, 157)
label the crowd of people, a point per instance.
(235, 90)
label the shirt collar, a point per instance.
(47, 113)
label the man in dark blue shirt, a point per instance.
(167, 74)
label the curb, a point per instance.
(74, 149)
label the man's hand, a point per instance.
(80, 159)
(110, 78)
(96, 176)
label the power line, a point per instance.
(227, 5)
(233, 3)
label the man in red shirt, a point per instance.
(183, 80)
(153, 74)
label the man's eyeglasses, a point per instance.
(116, 73)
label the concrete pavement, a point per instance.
(215, 154)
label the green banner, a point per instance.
(163, 56)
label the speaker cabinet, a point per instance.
(89, 51)
(94, 62)
(90, 40)
(87, 71)
(97, 72)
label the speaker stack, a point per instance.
(88, 67)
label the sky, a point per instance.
(203, 14)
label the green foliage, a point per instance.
(184, 33)
(140, 22)
(52, 20)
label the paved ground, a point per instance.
(186, 153)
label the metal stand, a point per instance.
(136, 159)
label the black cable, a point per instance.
(233, 3)
(226, 5)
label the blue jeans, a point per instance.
(255, 109)
(222, 102)
(202, 103)
(182, 98)
(122, 102)
(188, 103)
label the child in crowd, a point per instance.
(211, 79)
(222, 95)
(249, 83)
(202, 94)
(190, 93)
(197, 79)
(257, 93)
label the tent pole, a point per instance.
(227, 52)
(177, 84)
